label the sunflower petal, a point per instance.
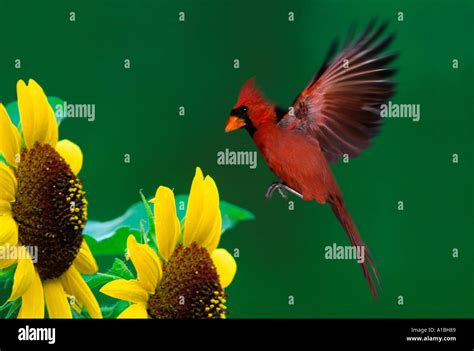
(72, 154)
(137, 311)
(44, 114)
(167, 226)
(27, 115)
(211, 220)
(5, 207)
(203, 213)
(215, 236)
(24, 274)
(56, 299)
(6, 263)
(8, 183)
(146, 263)
(225, 265)
(128, 290)
(75, 285)
(10, 141)
(193, 212)
(85, 262)
(32, 301)
(38, 121)
(8, 230)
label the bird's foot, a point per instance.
(282, 188)
(271, 189)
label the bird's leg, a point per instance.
(293, 191)
(281, 189)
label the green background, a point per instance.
(190, 64)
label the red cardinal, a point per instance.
(338, 113)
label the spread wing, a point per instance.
(341, 105)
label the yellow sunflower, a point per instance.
(43, 209)
(189, 279)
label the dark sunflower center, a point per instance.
(50, 209)
(190, 287)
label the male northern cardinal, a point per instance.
(337, 114)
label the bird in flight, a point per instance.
(336, 115)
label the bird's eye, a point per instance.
(244, 109)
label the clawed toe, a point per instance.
(282, 189)
(271, 189)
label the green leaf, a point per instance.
(6, 305)
(129, 221)
(100, 279)
(13, 112)
(119, 270)
(110, 238)
(6, 278)
(115, 244)
(7, 273)
(149, 234)
(114, 310)
(14, 306)
(100, 231)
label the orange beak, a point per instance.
(234, 123)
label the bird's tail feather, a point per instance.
(351, 230)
